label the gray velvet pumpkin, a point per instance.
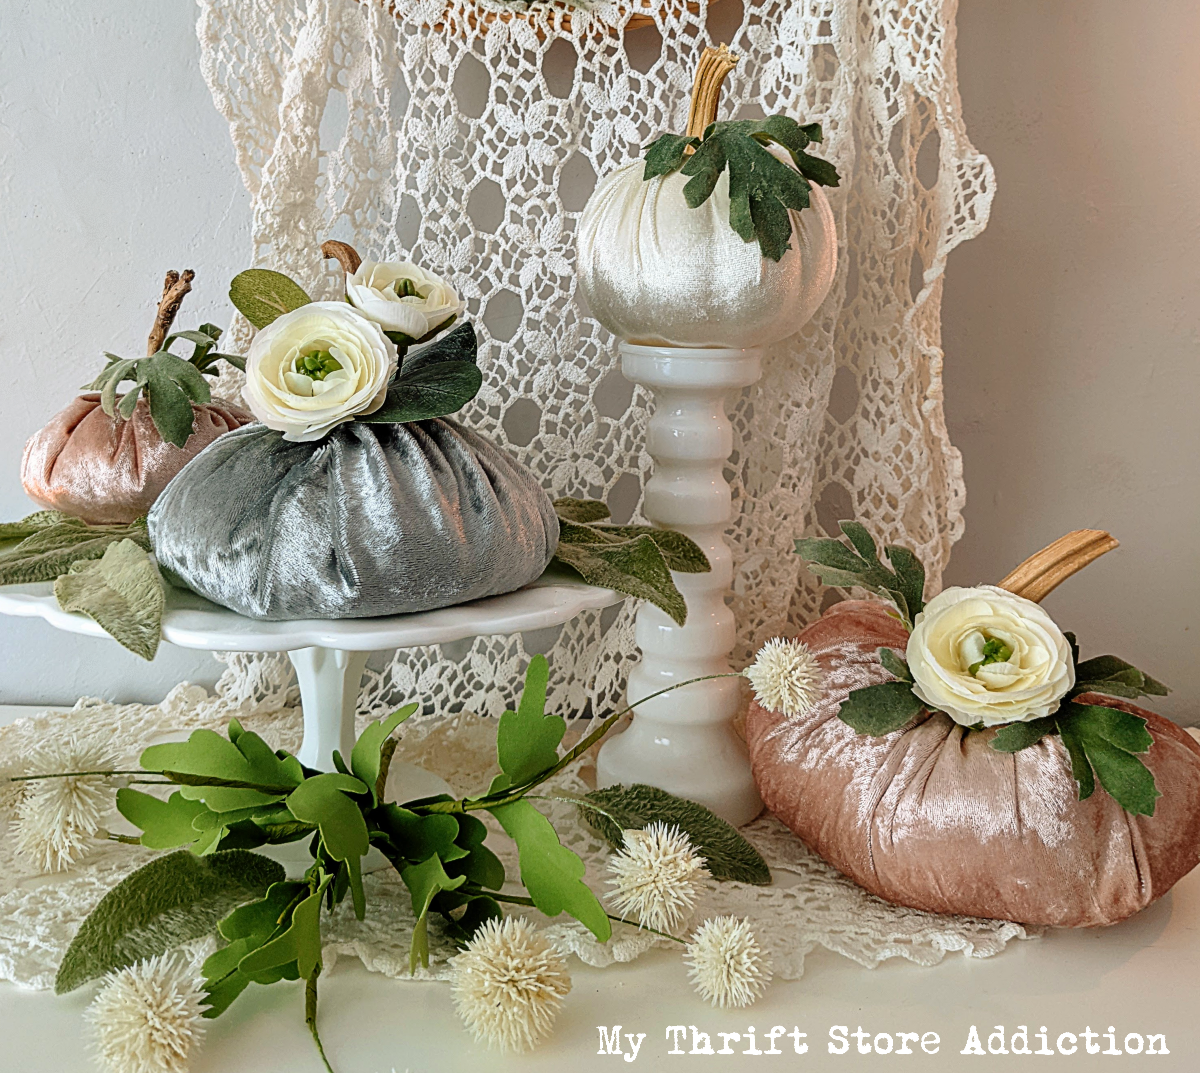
(374, 519)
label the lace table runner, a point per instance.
(809, 905)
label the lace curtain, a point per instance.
(468, 138)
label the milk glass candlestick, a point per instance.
(685, 742)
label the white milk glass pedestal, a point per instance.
(684, 742)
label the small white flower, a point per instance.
(316, 367)
(656, 876)
(57, 819)
(147, 1017)
(726, 964)
(402, 297)
(508, 985)
(786, 677)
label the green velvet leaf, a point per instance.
(51, 545)
(880, 709)
(728, 854)
(366, 757)
(1103, 743)
(164, 825)
(438, 379)
(123, 592)
(424, 881)
(262, 295)
(635, 567)
(1014, 737)
(172, 385)
(166, 902)
(911, 575)
(552, 874)
(324, 801)
(666, 154)
(527, 740)
(1111, 674)
(570, 509)
(895, 664)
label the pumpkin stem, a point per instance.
(175, 287)
(345, 254)
(1042, 572)
(715, 64)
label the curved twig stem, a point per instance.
(310, 1014)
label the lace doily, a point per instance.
(416, 128)
(810, 905)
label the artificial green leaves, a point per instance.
(439, 379)
(637, 560)
(762, 188)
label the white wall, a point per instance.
(1071, 325)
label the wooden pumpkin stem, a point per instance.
(1045, 570)
(175, 287)
(715, 64)
(344, 253)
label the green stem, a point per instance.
(524, 900)
(310, 1014)
(68, 775)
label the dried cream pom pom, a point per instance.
(786, 677)
(147, 1017)
(57, 819)
(726, 964)
(508, 985)
(655, 877)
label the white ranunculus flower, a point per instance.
(316, 367)
(984, 655)
(402, 297)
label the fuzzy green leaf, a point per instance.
(666, 154)
(123, 592)
(50, 546)
(911, 575)
(38, 521)
(166, 902)
(262, 295)
(172, 385)
(895, 664)
(570, 509)
(727, 853)
(1103, 742)
(527, 740)
(366, 757)
(424, 881)
(1014, 737)
(164, 825)
(880, 709)
(436, 380)
(635, 567)
(1113, 675)
(552, 874)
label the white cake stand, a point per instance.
(330, 654)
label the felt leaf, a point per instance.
(895, 664)
(171, 387)
(123, 592)
(1108, 740)
(166, 902)
(323, 800)
(635, 567)
(300, 942)
(49, 550)
(415, 836)
(424, 881)
(527, 740)
(572, 510)
(728, 855)
(261, 295)
(880, 709)
(478, 864)
(666, 154)
(436, 380)
(366, 756)
(35, 523)
(1122, 729)
(480, 909)
(249, 764)
(679, 551)
(1096, 673)
(552, 874)
(164, 825)
(1014, 737)
(911, 575)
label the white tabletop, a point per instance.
(1139, 976)
(192, 622)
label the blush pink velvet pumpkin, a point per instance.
(931, 817)
(103, 470)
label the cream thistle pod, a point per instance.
(664, 250)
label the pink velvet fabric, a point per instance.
(931, 817)
(87, 464)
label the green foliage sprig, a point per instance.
(1103, 742)
(762, 188)
(235, 794)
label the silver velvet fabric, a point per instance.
(371, 520)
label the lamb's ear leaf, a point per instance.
(262, 295)
(49, 546)
(166, 902)
(581, 511)
(635, 567)
(880, 709)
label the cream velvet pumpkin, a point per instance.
(654, 271)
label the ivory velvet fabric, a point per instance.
(84, 463)
(931, 816)
(374, 519)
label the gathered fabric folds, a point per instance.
(374, 519)
(932, 817)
